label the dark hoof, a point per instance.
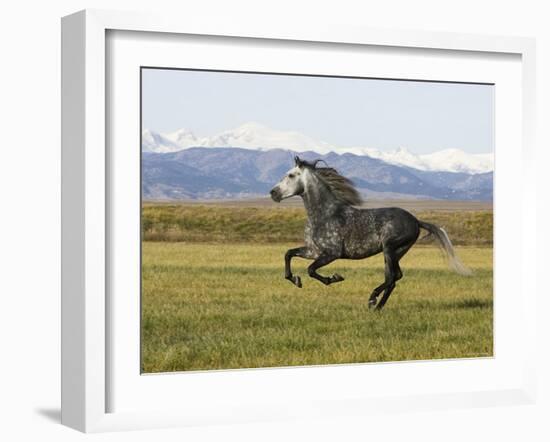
(372, 303)
(296, 280)
(336, 278)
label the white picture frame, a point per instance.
(86, 208)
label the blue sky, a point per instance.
(423, 117)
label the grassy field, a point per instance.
(214, 296)
(275, 223)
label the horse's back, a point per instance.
(395, 224)
(392, 214)
(370, 230)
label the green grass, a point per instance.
(211, 223)
(227, 305)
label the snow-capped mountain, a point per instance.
(247, 136)
(456, 160)
(184, 138)
(158, 143)
(259, 137)
(235, 173)
(447, 160)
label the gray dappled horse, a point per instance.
(335, 229)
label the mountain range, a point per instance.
(259, 137)
(248, 161)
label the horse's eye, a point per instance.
(291, 175)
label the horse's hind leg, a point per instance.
(375, 293)
(323, 260)
(389, 259)
(397, 274)
(393, 274)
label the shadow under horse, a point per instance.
(336, 229)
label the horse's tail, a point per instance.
(445, 243)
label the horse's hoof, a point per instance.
(296, 280)
(372, 303)
(337, 278)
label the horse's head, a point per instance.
(293, 183)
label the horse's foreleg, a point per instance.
(322, 261)
(302, 252)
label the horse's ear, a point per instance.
(297, 161)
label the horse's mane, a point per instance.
(341, 187)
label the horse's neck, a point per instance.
(319, 201)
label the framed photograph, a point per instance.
(272, 223)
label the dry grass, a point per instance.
(216, 306)
(230, 224)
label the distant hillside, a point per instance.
(230, 172)
(259, 137)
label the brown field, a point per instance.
(467, 223)
(412, 205)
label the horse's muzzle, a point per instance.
(276, 195)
